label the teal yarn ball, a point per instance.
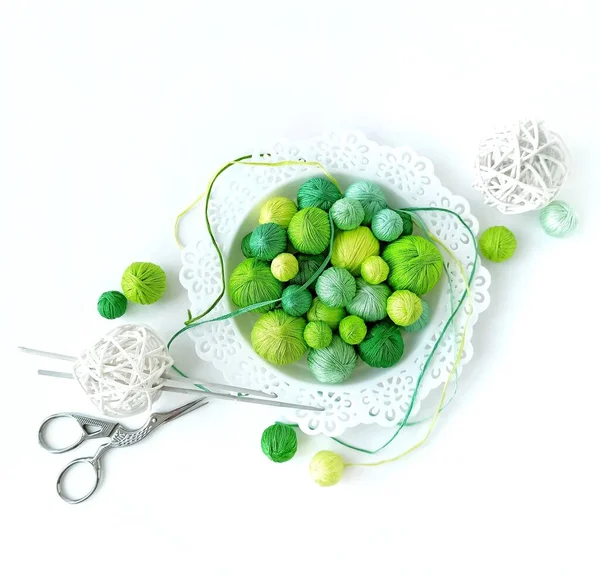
(268, 240)
(246, 249)
(422, 321)
(295, 300)
(347, 213)
(144, 282)
(308, 265)
(279, 338)
(279, 442)
(332, 364)
(383, 346)
(370, 301)
(387, 225)
(558, 219)
(318, 192)
(318, 334)
(370, 196)
(252, 282)
(497, 243)
(112, 305)
(352, 330)
(310, 231)
(336, 287)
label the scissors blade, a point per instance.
(183, 410)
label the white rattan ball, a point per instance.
(521, 167)
(123, 372)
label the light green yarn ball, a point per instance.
(279, 338)
(497, 243)
(279, 442)
(404, 308)
(422, 321)
(295, 300)
(318, 334)
(112, 305)
(558, 219)
(370, 301)
(310, 231)
(144, 282)
(284, 266)
(353, 330)
(387, 225)
(308, 266)
(246, 250)
(332, 364)
(374, 270)
(326, 468)
(336, 287)
(319, 311)
(253, 282)
(370, 196)
(415, 264)
(383, 346)
(318, 192)
(279, 210)
(352, 247)
(347, 213)
(267, 241)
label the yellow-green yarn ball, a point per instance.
(404, 308)
(326, 468)
(253, 282)
(318, 192)
(336, 287)
(144, 282)
(284, 267)
(318, 334)
(353, 330)
(422, 321)
(267, 241)
(370, 301)
(279, 442)
(310, 231)
(112, 305)
(352, 247)
(279, 210)
(347, 213)
(296, 300)
(383, 346)
(319, 311)
(334, 363)
(246, 250)
(415, 264)
(370, 196)
(387, 225)
(497, 244)
(374, 270)
(308, 266)
(279, 338)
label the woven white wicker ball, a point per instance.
(123, 372)
(521, 167)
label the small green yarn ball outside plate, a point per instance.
(347, 213)
(318, 334)
(279, 338)
(318, 192)
(370, 196)
(268, 240)
(112, 305)
(558, 219)
(497, 243)
(332, 364)
(383, 346)
(278, 210)
(144, 283)
(253, 282)
(279, 442)
(336, 287)
(326, 468)
(352, 247)
(309, 230)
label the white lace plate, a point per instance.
(380, 396)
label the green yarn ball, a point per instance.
(279, 442)
(497, 244)
(370, 301)
(318, 192)
(279, 338)
(347, 213)
(253, 282)
(278, 210)
(319, 311)
(336, 287)
(144, 282)
(112, 305)
(310, 231)
(318, 334)
(415, 264)
(267, 241)
(246, 249)
(374, 270)
(353, 330)
(295, 300)
(558, 219)
(383, 346)
(387, 225)
(370, 196)
(308, 265)
(422, 321)
(326, 468)
(407, 224)
(332, 364)
(284, 266)
(352, 247)
(404, 308)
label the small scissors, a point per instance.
(118, 437)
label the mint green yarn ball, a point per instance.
(352, 330)
(558, 219)
(347, 213)
(253, 282)
(310, 231)
(279, 338)
(497, 243)
(318, 334)
(295, 300)
(246, 249)
(268, 240)
(422, 321)
(387, 225)
(144, 283)
(370, 301)
(336, 287)
(332, 364)
(383, 346)
(318, 192)
(308, 265)
(319, 311)
(370, 196)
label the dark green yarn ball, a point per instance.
(318, 192)
(246, 249)
(113, 304)
(295, 300)
(279, 442)
(383, 346)
(407, 224)
(307, 267)
(268, 240)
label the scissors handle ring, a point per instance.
(44, 425)
(93, 462)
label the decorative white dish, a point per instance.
(380, 396)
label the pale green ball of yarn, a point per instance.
(352, 247)
(318, 334)
(347, 213)
(374, 270)
(279, 442)
(253, 282)
(370, 301)
(370, 196)
(387, 225)
(144, 282)
(415, 264)
(404, 308)
(326, 468)
(246, 250)
(295, 300)
(279, 338)
(279, 210)
(336, 287)
(422, 321)
(284, 266)
(318, 192)
(558, 219)
(267, 241)
(383, 346)
(353, 330)
(319, 311)
(332, 364)
(497, 243)
(310, 231)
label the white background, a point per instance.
(113, 115)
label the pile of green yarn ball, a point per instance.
(363, 301)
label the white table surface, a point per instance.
(113, 115)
